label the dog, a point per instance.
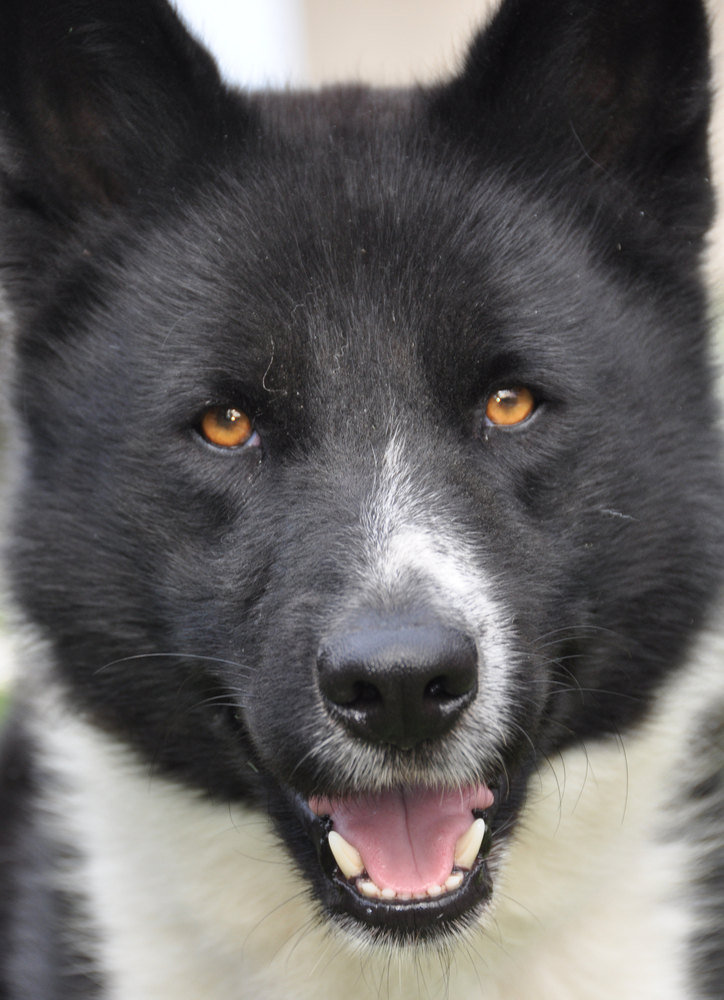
(365, 539)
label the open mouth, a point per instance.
(407, 859)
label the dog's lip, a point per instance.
(400, 915)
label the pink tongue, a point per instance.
(406, 837)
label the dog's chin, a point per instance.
(389, 893)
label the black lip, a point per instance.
(403, 918)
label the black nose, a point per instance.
(400, 683)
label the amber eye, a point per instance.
(510, 406)
(226, 427)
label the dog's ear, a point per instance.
(101, 100)
(617, 87)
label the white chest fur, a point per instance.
(201, 901)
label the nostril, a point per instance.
(341, 681)
(440, 687)
(459, 681)
(366, 694)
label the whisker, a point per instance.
(177, 656)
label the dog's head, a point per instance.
(371, 450)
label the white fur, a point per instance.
(413, 543)
(413, 546)
(201, 901)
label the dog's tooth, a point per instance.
(368, 888)
(466, 849)
(388, 894)
(453, 881)
(346, 856)
(434, 890)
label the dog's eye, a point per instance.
(226, 427)
(510, 406)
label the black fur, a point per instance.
(340, 266)
(39, 957)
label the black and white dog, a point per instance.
(367, 522)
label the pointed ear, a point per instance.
(101, 100)
(615, 89)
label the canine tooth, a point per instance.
(404, 895)
(419, 895)
(434, 890)
(388, 893)
(346, 856)
(368, 888)
(453, 881)
(466, 849)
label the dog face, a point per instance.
(370, 436)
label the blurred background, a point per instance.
(310, 43)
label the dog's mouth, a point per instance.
(407, 859)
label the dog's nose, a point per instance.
(398, 683)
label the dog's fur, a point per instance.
(359, 272)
